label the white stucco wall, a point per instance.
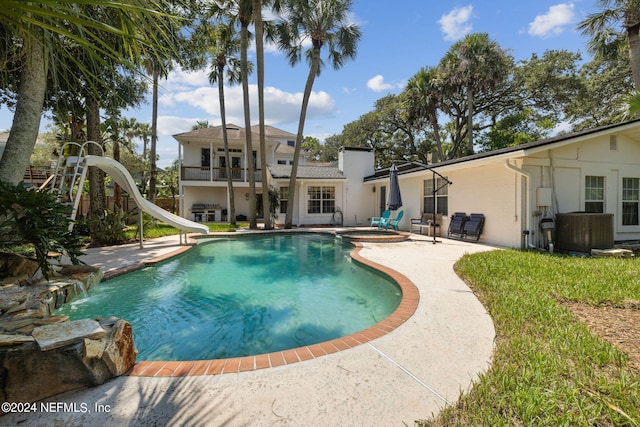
(492, 190)
(356, 204)
(214, 195)
(564, 170)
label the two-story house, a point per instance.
(203, 180)
(326, 193)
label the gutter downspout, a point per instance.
(527, 215)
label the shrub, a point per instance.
(28, 216)
(111, 226)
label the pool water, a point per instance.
(244, 296)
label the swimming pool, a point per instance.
(244, 296)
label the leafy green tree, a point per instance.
(35, 217)
(39, 36)
(170, 184)
(472, 66)
(323, 23)
(200, 125)
(312, 148)
(423, 96)
(602, 83)
(331, 147)
(544, 85)
(615, 28)
(514, 129)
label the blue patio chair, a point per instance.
(392, 222)
(377, 220)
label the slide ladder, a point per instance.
(70, 174)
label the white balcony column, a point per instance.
(246, 163)
(301, 204)
(180, 196)
(211, 159)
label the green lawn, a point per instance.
(155, 230)
(548, 369)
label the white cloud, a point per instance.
(179, 79)
(553, 22)
(281, 107)
(171, 125)
(377, 84)
(455, 24)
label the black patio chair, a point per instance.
(456, 225)
(473, 226)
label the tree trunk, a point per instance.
(436, 132)
(151, 196)
(97, 195)
(469, 120)
(257, 22)
(26, 120)
(117, 191)
(244, 40)
(223, 118)
(313, 72)
(633, 34)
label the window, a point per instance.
(441, 199)
(594, 194)
(205, 157)
(282, 162)
(284, 199)
(321, 200)
(291, 143)
(630, 199)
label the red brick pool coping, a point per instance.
(406, 309)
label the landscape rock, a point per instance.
(42, 354)
(8, 340)
(120, 352)
(57, 335)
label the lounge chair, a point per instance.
(392, 222)
(456, 225)
(377, 220)
(473, 226)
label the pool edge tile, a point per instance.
(405, 310)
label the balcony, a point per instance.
(206, 173)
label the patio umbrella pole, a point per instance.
(435, 198)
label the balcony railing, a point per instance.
(205, 173)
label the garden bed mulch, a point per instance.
(618, 326)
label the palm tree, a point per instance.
(634, 103)
(157, 68)
(259, 27)
(242, 12)
(424, 92)
(43, 32)
(607, 40)
(474, 64)
(224, 46)
(200, 124)
(324, 23)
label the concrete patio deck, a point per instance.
(408, 374)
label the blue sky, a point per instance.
(398, 38)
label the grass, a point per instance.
(548, 368)
(155, 230)
(152, 230)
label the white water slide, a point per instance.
(124, 179)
